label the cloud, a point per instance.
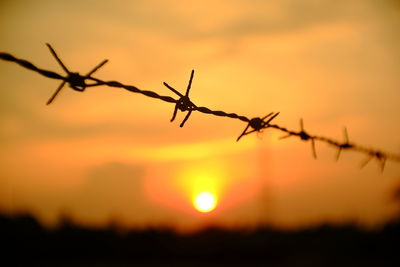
(111, 190)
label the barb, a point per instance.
(344, 145)
(303, 135)
(74, 79)
(79, 83)
(258, 124)
(183, 103)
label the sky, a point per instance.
(109, 156)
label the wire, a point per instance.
(185, 104)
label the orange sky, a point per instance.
(107, 154)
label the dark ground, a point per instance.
(26, 243)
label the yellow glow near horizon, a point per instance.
(210, 176)
(205, 202)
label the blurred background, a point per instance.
(107, 156)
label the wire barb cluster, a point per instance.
(258, 124)
(74, 79)
(183, 103)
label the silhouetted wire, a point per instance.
(75, 80)
(184, 103)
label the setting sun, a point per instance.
(205, 202)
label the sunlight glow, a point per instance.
(205, 202)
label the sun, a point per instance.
(204, 202)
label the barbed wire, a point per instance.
(183, 103)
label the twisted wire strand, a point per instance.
(168, 99)
(256, 124)
(30, 66)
